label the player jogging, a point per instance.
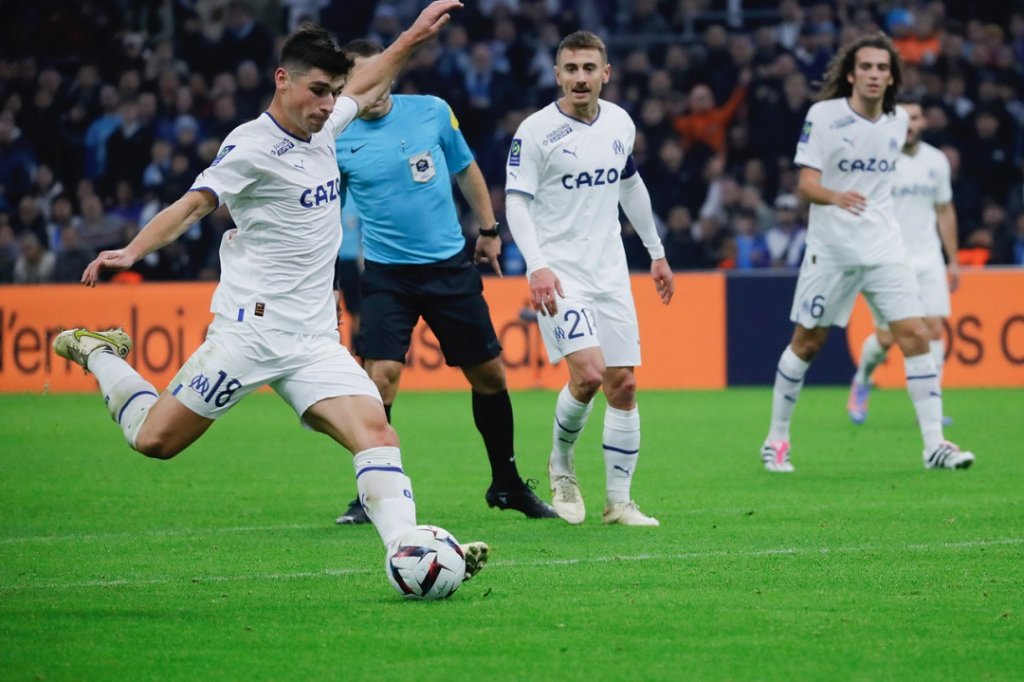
(923, 199)
(848, 151)
(275, 321)
(569, 168)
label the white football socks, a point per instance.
(789, 379)
(938, 350)
(127, 395)
(385, 491)
(926, 394)
(871, 355)
(570, 418)
(621, 443)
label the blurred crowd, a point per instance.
(110, 108)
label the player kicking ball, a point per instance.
(274, 312)
(848, 152)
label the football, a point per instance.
(426, 563)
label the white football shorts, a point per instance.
(825, 294)
(585, 321)
(931, 279)
(238, 358)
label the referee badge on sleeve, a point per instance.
(422, 166)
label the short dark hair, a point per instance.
(844, 63)
(312, 47)
(909, 98)
(361, 47)
(582, 40)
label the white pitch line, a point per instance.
(335, 572)
(162, 533)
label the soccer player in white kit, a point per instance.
(569, 168)
(275, 321)
(923, 199)
(848, 150)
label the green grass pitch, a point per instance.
(225, 563)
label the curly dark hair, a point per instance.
(843, 64)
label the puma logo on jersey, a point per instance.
(601, 176)
(321, 194)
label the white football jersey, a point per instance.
(572, 170)
(282, 191)
(856, 154)
(921, 183)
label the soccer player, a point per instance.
(275, 321)
(848, 150)
(569, 169)
(922, 198)
(396, 162)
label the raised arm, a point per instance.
(164, 228)
(369, 84)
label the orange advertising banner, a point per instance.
(683, 344)
(984, 336)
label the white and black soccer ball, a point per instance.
(425, 562)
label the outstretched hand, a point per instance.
(107, 260)
(432, 19)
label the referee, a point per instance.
(396, 162)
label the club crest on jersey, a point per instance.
(225, 150)
(894, 146)
(557, 134)
(282, 147)
(515, 153)
(618, 148)
(805, 132)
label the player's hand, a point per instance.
(953, 276)
(664, 282)
(107, 260)
(487, 251)
(851, 201)
(431, 20)
(544, 284)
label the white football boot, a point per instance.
(627, 514)
(948, 456)
(566, 498)
(775, 455)
(79, 344)
(476, 554)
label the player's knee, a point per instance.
(487, 377)
(913, 339)
(588, 380)
(153, 445)
(622, 394)
(378, 435)
(885, 339)
(807, 348)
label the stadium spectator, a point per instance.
(35, 262)
(72, 256)
(705, 123)
(787, 237)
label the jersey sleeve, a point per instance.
(810, 146)
(345, 111)
(522, 168)
(943, 184)
(453, 144)
(229, 174)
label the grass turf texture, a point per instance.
(225, 562)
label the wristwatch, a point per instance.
(493, 232)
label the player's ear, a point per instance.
(607, 73)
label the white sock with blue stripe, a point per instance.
(621, 444)
(385, 491)
(570, 418)
(789, 379)
(926, 394)
(128, 396)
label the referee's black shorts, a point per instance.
(448, 295)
